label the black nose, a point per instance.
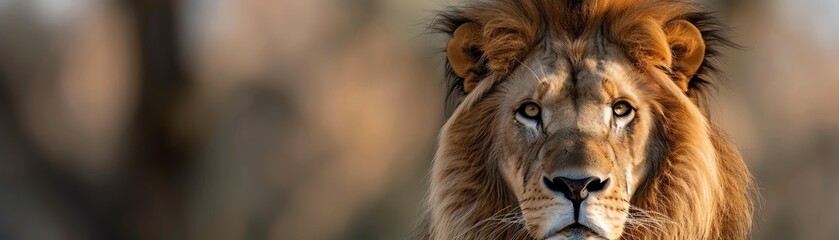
(575, 190)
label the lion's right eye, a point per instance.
(530, 111)
(529, 114)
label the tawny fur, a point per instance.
(699, 181)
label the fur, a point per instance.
(697, 179)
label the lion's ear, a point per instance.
(688, 49)
(464, 54)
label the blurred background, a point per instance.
(316, 119)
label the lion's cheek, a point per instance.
(512, 175)
(608, 215)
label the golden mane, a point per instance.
(513, 27)
(699, 181)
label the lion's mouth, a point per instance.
(575, 231)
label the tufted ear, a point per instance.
(464, 54)
(688, 50)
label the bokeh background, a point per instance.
(316, 119)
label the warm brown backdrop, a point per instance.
(316, 119)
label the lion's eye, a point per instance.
(530, 110)
(622, 109)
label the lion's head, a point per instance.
(580, 119)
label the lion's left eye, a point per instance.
(622, 109)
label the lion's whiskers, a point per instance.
(499, 222)
(645, 219)
(531, 70)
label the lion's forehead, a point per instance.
(569, 73)
(577, 94)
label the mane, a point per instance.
(698, 181)
(515, 26)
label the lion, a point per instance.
(584, 120)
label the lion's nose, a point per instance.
(575, 190)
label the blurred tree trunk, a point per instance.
(159, 159)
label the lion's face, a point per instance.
(575, 139)
(579, 120)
